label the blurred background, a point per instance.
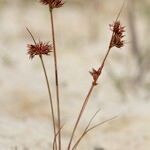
(82, 37)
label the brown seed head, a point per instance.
(39, 49)
(117, 38)
(95, 74)
(52, 3)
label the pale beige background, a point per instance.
(82, 37)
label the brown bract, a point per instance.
(40, 49)
(52, 3)
(95, 74)
(118, 34)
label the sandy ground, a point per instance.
(25, 121)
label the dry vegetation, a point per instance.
(123, 89)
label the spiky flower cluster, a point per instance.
(40, 49)
(117, 37)
(52, 3)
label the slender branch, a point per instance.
(89, 123)
(50, 98)
(56, 76)
(92, 118)
(87, 99)
(54, 141)
(87, 130)
(94, 83)
(93, 127)
(49, 90)
(31, 35)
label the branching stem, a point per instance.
(88, 95)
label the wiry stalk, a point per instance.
(50, 97)
(87, 130)
(48, 88)
(89, 123)
(56, 136)
(56, 77)
(119, 43)
(78, 141)
(86, 100)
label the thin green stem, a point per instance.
(50, 97)
(56, 77)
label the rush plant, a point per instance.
(41, 48)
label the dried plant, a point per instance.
(55, 4)
(42, 48)
(116, 41)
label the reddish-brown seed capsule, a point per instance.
(95, 74)
(53, 3)
(39, 49)
(118, 34)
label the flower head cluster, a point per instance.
(117, 38)
(95, 74)
(52, 3)
(39, 49)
